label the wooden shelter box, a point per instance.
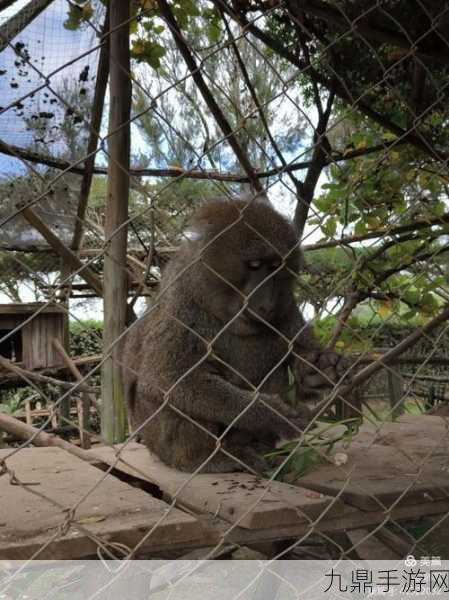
(31, 345)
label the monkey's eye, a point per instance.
(254, 264)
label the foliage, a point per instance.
(364, 194)
(366, 48)
(13, 400)
(178, 131)
(78, 14)
(313, 448)
(405, 274)
(86, 337)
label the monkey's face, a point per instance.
(249, 291)
(246, 270)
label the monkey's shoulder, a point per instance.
(161, 339)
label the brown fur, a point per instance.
(192, 367)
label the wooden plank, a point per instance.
(350, 518)
(55, 330)
(37, 334)
(400, 544)
(240, 498)
(40, 336)
(405, 460)
(9, 322)
(113, 511)
(27, 344)
(417, 435)
(123, 527)
(368, 547)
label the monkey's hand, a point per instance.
(321, 367)
(290, 422)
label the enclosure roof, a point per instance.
(47, 81)
(29, 308)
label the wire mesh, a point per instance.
(256, 129)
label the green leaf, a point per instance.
(149, 52)
(411, 296)
(330, 227)
(439, 208)
(324, 203)
(213, 32)
(359, 228)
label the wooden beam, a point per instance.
(95, 124)
(17, 23)
(40, 438)
(24, 374)
(83, 361)
(68, 256)
(113, 421)
(396, 393)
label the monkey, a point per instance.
(205, 370)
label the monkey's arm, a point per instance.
(227, 402)
(315, 366)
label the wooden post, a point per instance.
(64, 300)
(395, 393)
(82, 404)
(113, 418)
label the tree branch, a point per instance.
(320, 156)
(285, 167)
(392, 355)
(63, 165)
(215, 109)
(340, 88)
(351, 239)
(334, 17)
(17, 23)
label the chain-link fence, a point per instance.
(224, 237)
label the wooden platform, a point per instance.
(239, 498)
(47, 482)
(400, 472)
(404, 463)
